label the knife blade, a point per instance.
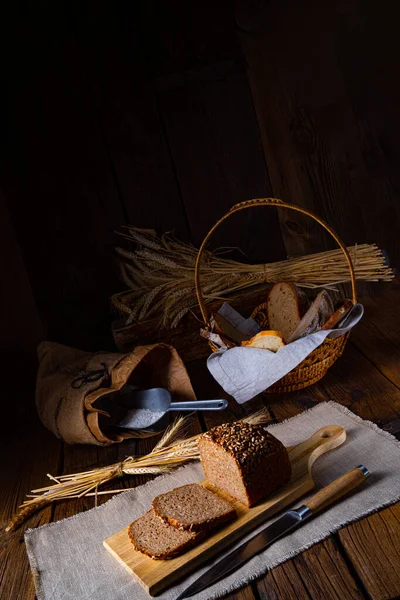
(283, 525)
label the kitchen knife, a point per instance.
(287, 522)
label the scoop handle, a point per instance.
(200, 405)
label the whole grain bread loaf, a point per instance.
(286, 305)
(244, 460)
(192, 507)
(159, 540)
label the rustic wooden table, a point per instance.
(361, 561)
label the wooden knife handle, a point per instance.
(338, 488)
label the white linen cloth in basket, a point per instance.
(245, 372)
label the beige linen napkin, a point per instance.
(68, 559)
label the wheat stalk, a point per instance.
(173, 450)
(160, 275)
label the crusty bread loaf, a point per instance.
(159, 540)
(244, 460)
(192, 507)
(317, 315)
(267, 340)
(286, 305)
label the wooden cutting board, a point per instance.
(156, 575)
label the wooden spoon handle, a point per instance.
(338, 488)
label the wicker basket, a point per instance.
(314, 367)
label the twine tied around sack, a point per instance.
(92, 376)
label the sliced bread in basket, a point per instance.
(267, 340)
(315, 318)
(286, 305)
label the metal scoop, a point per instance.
(148, 407)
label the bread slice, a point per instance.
(268, 340)
(338, 315)
(159, 540)
(286, 305)
(193, 508)
(315, 318)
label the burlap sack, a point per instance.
(71, 382)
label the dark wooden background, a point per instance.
(163, 115)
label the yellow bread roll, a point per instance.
(268, 340)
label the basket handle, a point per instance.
(278, 204)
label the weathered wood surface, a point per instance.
(198, 106)
(59, 188)
(25, 457)
(19, 319)
(379, 339)
(361, 561)
(95, 140)
(373, 547)
(320, 572)
(322, 119)
(129, 117)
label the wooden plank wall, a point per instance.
(164, 115)
(321, 75)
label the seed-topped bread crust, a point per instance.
(192, 507)
(246, 443)
(244, 460)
